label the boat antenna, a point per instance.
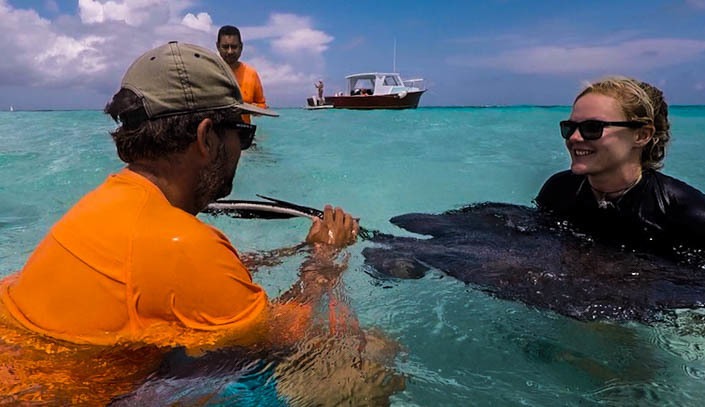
(394, 61)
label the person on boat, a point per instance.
(131, 269)
(617, 136)
(229, 44)
(319, 88)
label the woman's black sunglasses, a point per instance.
(592, 129)
(245, 131)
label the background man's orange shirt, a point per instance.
(250, 86)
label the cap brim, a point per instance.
(248, 108)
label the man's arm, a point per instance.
(258, 98)
(269, 258)
(293, 311)
(349, 365)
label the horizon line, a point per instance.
(16, 110)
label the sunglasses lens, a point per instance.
(247, 134)
(244, 142)
(568, 128)
(591, 130)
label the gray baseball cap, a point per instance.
(178, 78)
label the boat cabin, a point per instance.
(376, 83)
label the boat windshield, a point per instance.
(391, 81)
(362, 83)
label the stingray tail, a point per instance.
(270, 208)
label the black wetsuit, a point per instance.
(658, 213)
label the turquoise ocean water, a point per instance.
(462, 347)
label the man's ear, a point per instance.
(206, 137)
(644, 134)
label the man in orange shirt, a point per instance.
(130, 268)
(229, 45)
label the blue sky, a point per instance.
(72, 54)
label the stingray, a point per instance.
(518, 253)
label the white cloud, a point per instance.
(132, 12)
(18, 44)
(91, 49)
(135, 13)
(82, 56)
(278, 74)
(637, 55)
(289, 34)
(201, 22)
(278, 25)
(302, 40)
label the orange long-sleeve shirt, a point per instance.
(250, 86)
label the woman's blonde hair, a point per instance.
(640, 101)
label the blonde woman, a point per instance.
(616, 136)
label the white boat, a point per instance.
(318, 107)
(375, 90)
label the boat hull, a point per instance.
(394, 101)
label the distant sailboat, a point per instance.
(12, 109)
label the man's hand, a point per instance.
(337, 228)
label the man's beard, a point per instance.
(216, 180)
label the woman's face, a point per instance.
(611, 154)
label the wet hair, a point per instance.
(655, 151)
(138, 137)
(229, 30)
(640, 101)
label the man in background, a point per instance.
(319, 88)
(229, 45)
